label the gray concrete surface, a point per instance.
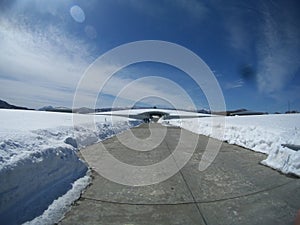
(235, 189)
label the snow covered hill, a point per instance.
(264, 133)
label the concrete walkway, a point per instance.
(235, 189)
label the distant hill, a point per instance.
(5, 105)
(46, 108)
(239, 112)
(55, 109)
(83, 110)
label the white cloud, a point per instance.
(238, 36)
(34, 96)
(235, 84)
(151, 86)
(273, 30)
(43, 65)
(39, 56)
(278, 52)
(128, 91)
(235, 18)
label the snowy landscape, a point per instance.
(263, 133)
(38, 161)
(41, 175)
(149, 76)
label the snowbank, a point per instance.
(38, 160)
(265, 133)
(61, 205)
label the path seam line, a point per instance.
(194, 199)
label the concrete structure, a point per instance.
(235, 190)
(150, 114)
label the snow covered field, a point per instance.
(38, 161)
(40, 170)
(264, 133)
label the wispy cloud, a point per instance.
(235, 19)
(43, 64)
(40, 56)
(235, 84)
(238, 36)
(149, 89)
(278, 52)
(127, 91)
(270, 32)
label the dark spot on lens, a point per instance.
(247, 72)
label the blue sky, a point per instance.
(252, 47)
